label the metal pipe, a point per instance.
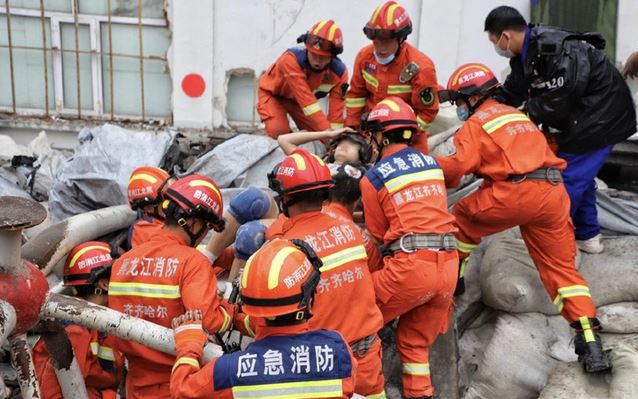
(7, 320)
(117, 324)
(65, 364)
(10, 243)
(141, 42)
(23, 364)
(53, 243)
(10, 43)
(76, 26)
(108, 6)
(46, 64)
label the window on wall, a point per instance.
(581, 15)
(104, 59)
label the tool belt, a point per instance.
(552, 175)
(411, 242)
(361, 347)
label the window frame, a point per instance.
(94, 22)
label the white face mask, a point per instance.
(384, 61)
(507, 53)
(504, 53)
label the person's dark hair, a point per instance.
(346, 190)
(504, 18)
(169, 220)
(311, 199)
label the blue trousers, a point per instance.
(579, 182)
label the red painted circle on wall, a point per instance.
(193, 85)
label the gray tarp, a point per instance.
(97, 174)
(617, 214)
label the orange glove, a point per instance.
(190, 337)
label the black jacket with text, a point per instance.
(572, 89)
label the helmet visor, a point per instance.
(449, 95)
(379, 33)
(322, 44)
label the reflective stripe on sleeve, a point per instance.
(311, 109)
(423, 125)
(186, 360)
(465, 247)
(355, 102)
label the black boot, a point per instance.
(460, 283)
(589, 347)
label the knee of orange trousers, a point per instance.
(421, 142)
(369, 380)
(155, 391)
(305, 122)
(277, 125)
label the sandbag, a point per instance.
(510, 282)
(244, 160)
(619, 318)
(569, 381)
(520, 356)
(97, 174)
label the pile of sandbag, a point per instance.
(518, 346)
(97, 174)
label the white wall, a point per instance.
(212, 37)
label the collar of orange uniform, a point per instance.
(392, 149)
(338, 208)
(269, 331)
(166, 234)
(288, 224)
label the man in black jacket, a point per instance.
(575, 93)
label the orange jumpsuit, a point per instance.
(372, 82)
(142, 229)
(405, 193)
(290, 86)
(498, 141)
(345, 295)
(283, 362)
(157, 281)
(101, 366)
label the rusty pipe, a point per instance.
(53, 243)
(23, 364)
(112, 322)
(7, 320)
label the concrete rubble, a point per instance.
(506, 339)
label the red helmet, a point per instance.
(300, 171)
(145, 186)
(280, 278)
(468, 80)
(388, 21)
(390, 114)
(87, 263)
(324, 38)
(195, 196)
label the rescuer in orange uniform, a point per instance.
(289, 359)
(86, 271)
(144, 197)
(523, 187)
(390, 66)
(345, 296)
(405, 208)
(300, 77)
(164, 276)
